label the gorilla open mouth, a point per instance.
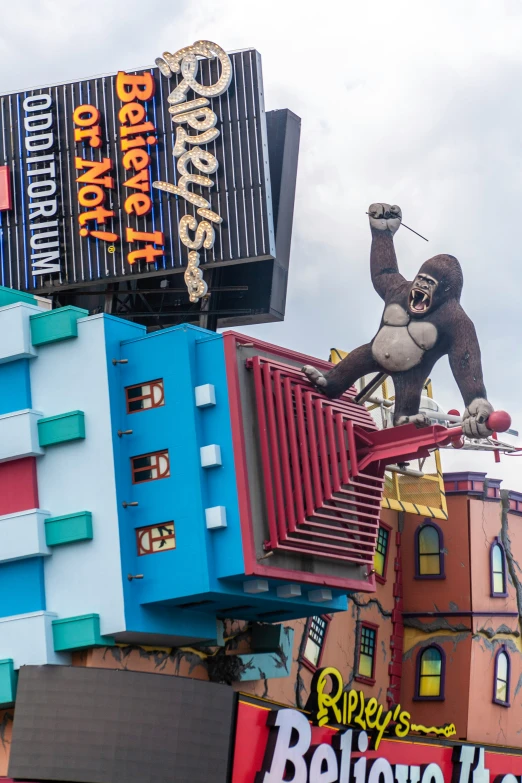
(420, 301)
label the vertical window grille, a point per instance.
(315, 640)
(367, 652)
(381, 551)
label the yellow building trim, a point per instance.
(501, 637)
(414, 636)
(414, 508)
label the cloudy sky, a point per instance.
(412, 103)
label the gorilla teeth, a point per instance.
(419, 300)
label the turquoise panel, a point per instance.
(269, 665)
(53, 325)
(68, 528)
(8, 682)
(61, 428)
(9, 296)
(76, 633)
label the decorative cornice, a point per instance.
(478, 485)
(460, 614)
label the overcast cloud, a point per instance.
(408, 102)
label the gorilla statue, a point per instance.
(422, 321)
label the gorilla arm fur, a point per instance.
(383, 263)
(466, 366)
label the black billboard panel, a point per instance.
(87, 725)
(141, 174)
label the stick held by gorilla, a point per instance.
(422, 321)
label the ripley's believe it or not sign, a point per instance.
(155, 170)
(292, 757)
(347, 738)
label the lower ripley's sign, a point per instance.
(281, 746)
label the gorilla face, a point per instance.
(421, 296)
(439, 279)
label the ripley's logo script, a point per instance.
(197, 115)
(138, 148)
(330, 704)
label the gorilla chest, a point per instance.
(401, 342)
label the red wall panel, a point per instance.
(18, 486)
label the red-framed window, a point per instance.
(156, 538)
(144, 396)
(366, 652)
(150, 467)
(380, 559)
(313, 641)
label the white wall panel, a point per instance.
(16, 333)
(28, 639)
(19, 435)
(23, 535)
(79, 476)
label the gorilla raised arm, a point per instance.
(422, 321)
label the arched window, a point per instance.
(502, 676)
(429, 554)
(498, 569)
(431, 665)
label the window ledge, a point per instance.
(308, 665)
(380, 579)
(429, 698)
(364, 680)
(430, 576)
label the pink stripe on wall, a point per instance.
(5, 188)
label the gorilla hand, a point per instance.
(419, 419)
(475, 418)
(315, 377)
(385, 217)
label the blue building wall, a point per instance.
(15, 386)
(177, 573)
(205, 573)
(219, 483)
(95, 577)
(22, 587)
(185, 570)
